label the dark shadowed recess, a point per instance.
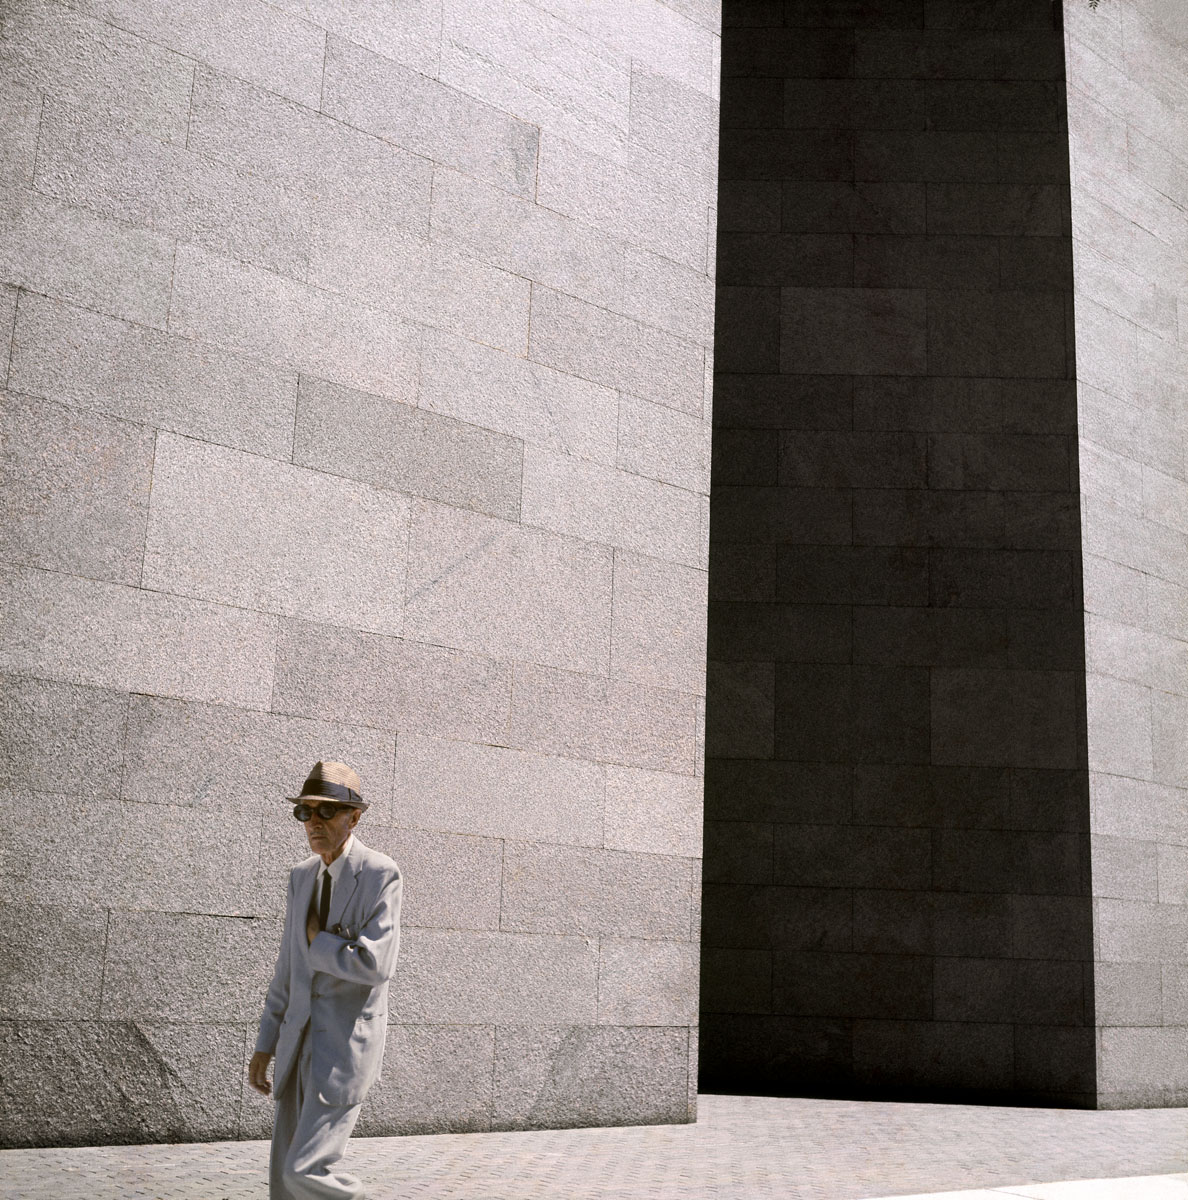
(896, 890)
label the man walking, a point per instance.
(326, 1013)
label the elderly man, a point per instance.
(326, 1013)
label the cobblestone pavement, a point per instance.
(741, 1148)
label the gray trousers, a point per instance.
(308, 1137)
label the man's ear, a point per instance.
(356, 813)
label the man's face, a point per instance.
(327, 836)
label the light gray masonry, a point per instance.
(1128, 125)
(355, 408)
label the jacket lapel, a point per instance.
(303, 898)
(347, 882)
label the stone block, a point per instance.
(498, 588)
(747, 338)
(1057, 1063)
(887, 986)
(20, 111)
(1138, 809)
(1173, 875)
(348, 177)
(997, 333)
(119, 1082)
(1143, 1059)
(1129, 994)
(610, 506)
(853, 331)
(658, 623)
(892, 922)
(992, 860)
(762, 917)
(774, 1054)
(932, 156)
(452, 880)
(1050, 800)
(182, 967)
(768, 49)
(753, 632)
(409, 34)
(432, 282)
(838, 460)
(260, 43)
(610, 720)
(214, 756)
(981, 925)
(54, 967)
(936, 261)
(854, 104)
(654, 214)
(803, 793)
(997, 209)
(1170, 992)
(851, 856)
(458, 787)
(672, 119)
(269, 536)
(76, 488)
(1010, 578)
(1166, 604)
(1125, 869)
(643, 982)
(661, 443)
(476, 977)
(740, 698)
(70, 254)
(109, 635)
(852, 575)
(894, 209)
(427, 117)
(129, 176)
(246, 310)
(572, 84)
(1119, 727)
(920, 518)
(615, 351)
(389, 683)
(783, 515)
(752, 103)
(931, 797)
(924, 54)
(1056, 927)
(935, 637)
(786, 259)
(934, 1054)
(735, 981)
(993, 104)
(62, 739)
(1169, 755)
(568, 889)
(63, 849)
(1007, 717)
(178, 861)
(526, 400)
(567, 1076)
(652, 812)
(738, 852)
(788, 155)
(436, 1079)
(746, 456)
(93, 65)
(751, 205)
(105, 365)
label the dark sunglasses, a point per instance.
(324, 809)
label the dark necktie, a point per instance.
(324, 905)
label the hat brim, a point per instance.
(361, 806)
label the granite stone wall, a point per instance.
(1128, 133)
(356, 407)
(897, 886)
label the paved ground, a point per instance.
(742, 1148)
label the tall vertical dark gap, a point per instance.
(896, 897)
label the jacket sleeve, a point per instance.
(277, 999)
(369, 958)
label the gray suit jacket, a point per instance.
(337, 984)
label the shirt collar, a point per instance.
(337, 867)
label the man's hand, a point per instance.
(312, 927)
(258, 1073)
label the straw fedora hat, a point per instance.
(332, 781)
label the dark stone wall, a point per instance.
(897, 895)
